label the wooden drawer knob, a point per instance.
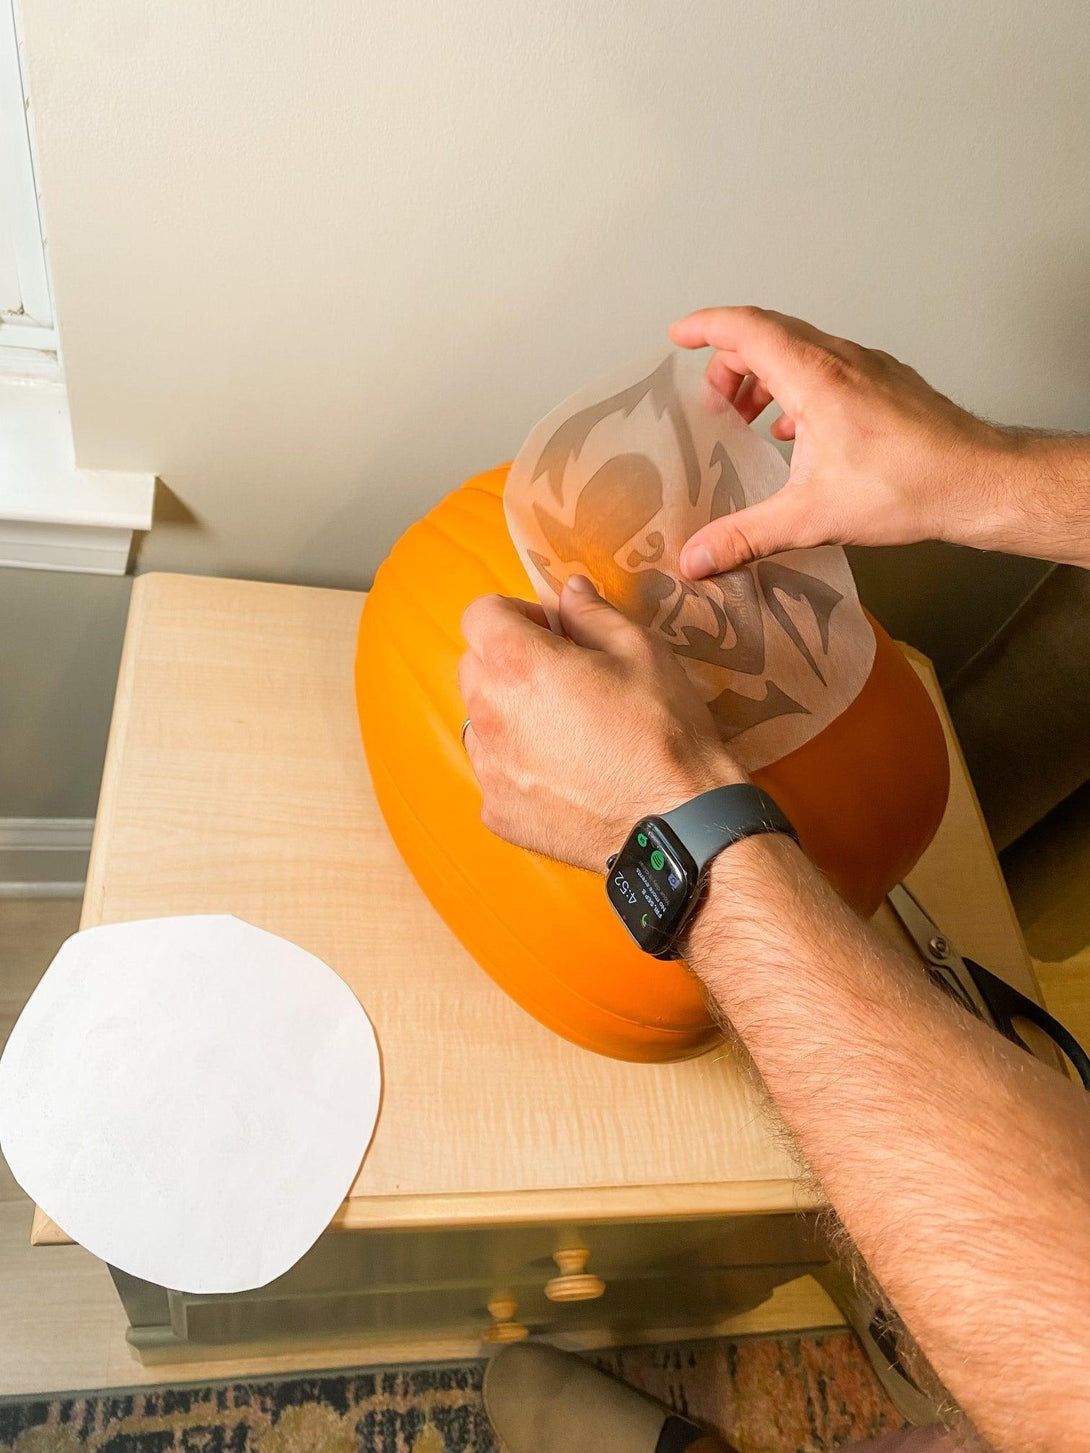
(575, 1283)
(504, 1328)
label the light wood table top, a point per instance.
(235, 782)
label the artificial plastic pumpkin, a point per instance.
(866, 795)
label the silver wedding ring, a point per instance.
(465, 727)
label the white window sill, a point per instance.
(53, 515)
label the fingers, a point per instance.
(470, 679)
(473, 750)
(724, 380)
(737, 539)
(752, 335)
(507, 639)
(781, 351)
(532, 610)
(752, 399)
(590, 621)
(492, 615)
(746, 340)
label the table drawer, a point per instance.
(367, 1284)
(627, 1307)
(370, 1261)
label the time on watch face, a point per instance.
(650, 885)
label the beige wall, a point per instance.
(316, 262)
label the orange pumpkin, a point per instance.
(866, 795)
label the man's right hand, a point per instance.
(880, 457)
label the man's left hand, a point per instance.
(574, 738)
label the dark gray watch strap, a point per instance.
(711, 822)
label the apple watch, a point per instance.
(656, 879)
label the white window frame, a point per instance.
(54, 515)
(28, 334)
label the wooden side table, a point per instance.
(515, 1182)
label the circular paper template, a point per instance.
(190, 1099)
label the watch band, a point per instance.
(711, 822)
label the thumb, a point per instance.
(588, 619)
(779, 523)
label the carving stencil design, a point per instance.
(614, 481)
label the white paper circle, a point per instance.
(189, 1099)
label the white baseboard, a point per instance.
(44, 857)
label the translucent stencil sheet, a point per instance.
(614, 481)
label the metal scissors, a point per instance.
(976, 988)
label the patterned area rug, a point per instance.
(769, 1395)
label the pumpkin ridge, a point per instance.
(462, 547)
(474, 485)
(421, 599)
(390, 621)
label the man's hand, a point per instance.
(573, 740)
(880, 457)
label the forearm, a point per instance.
(959, 1166)
(1032, 497)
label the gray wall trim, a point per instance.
(44, 857)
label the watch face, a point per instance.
(651, 884)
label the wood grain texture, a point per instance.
(596, 1203)
(1065, 984)
(235, 783)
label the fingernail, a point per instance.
(697, 562)
(581, 584)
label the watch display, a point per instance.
(651, 884)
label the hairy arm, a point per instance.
(959, 1165)
(1040, 502)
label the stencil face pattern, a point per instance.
(614, 481)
